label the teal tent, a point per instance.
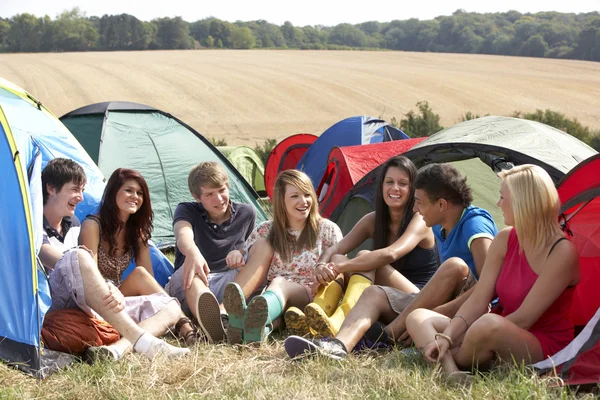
(161, 147)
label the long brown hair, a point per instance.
(279, 238)
(382, 211)
(138, 226)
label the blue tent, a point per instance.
(30, 136)
(351, 131)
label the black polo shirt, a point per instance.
(215, 241)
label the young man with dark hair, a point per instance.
(74, 279)
(206, 230)
(463, 235)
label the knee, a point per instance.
(454, 268)
(278, 282)
(415, 318)
(485, 328)
(261, 247)
(373, 295)
(86, 263)
(140, 273)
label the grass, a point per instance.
(223, 371)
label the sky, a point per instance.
(299, 13)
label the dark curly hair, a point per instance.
(443, 181)
(138, 226)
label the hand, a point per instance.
(235, 259)
(405, 339)
(324, 273)
(195, 265)
(114, 299)
(436, 349)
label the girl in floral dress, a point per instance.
(295, 238)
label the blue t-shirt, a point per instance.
(474, 223)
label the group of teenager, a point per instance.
(439, 273)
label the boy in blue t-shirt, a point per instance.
(463, 235)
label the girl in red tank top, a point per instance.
(532, 270)
(554, 328)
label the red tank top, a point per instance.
(553, 328)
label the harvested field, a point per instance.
(248, 96)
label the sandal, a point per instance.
(191, 336)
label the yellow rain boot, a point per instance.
(323, 325)
(326, 299)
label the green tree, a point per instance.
(347, 35)
(221, 32)
(588, 43)
(25, 33)
(173, 33)
(422, 123)
(72, 31)
(4, 30)
(535, 46)
(242, 37)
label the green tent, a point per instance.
(249, 164)
(479, 149)
(161, 147)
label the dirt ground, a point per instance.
(248, 96)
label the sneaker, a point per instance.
(298, 347)
(295, 322)
(375, 338)
(100, 353)
(256, 321)
(209, 317)
(235, 304)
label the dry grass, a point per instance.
(263, 373)
(248, 96)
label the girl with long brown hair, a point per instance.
(118, 234)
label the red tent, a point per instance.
(579, 191)
(286, 155)
(348, 164)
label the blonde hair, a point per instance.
(535, 204)
(208, 174)
(279, 238)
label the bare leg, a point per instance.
(95, 288)
(422, 325)
(372, 306)
(254, 273)
(293, 294)
(388, 276)
(494, 335)
(140, 283)
(442, 287)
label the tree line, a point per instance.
(543, 34)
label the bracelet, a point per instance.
(463, 318)
(444, 336)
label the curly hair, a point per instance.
(443, 181)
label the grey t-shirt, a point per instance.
(215, 241)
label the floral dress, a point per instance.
(300, 268)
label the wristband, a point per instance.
(444, 336)
(463, 318)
